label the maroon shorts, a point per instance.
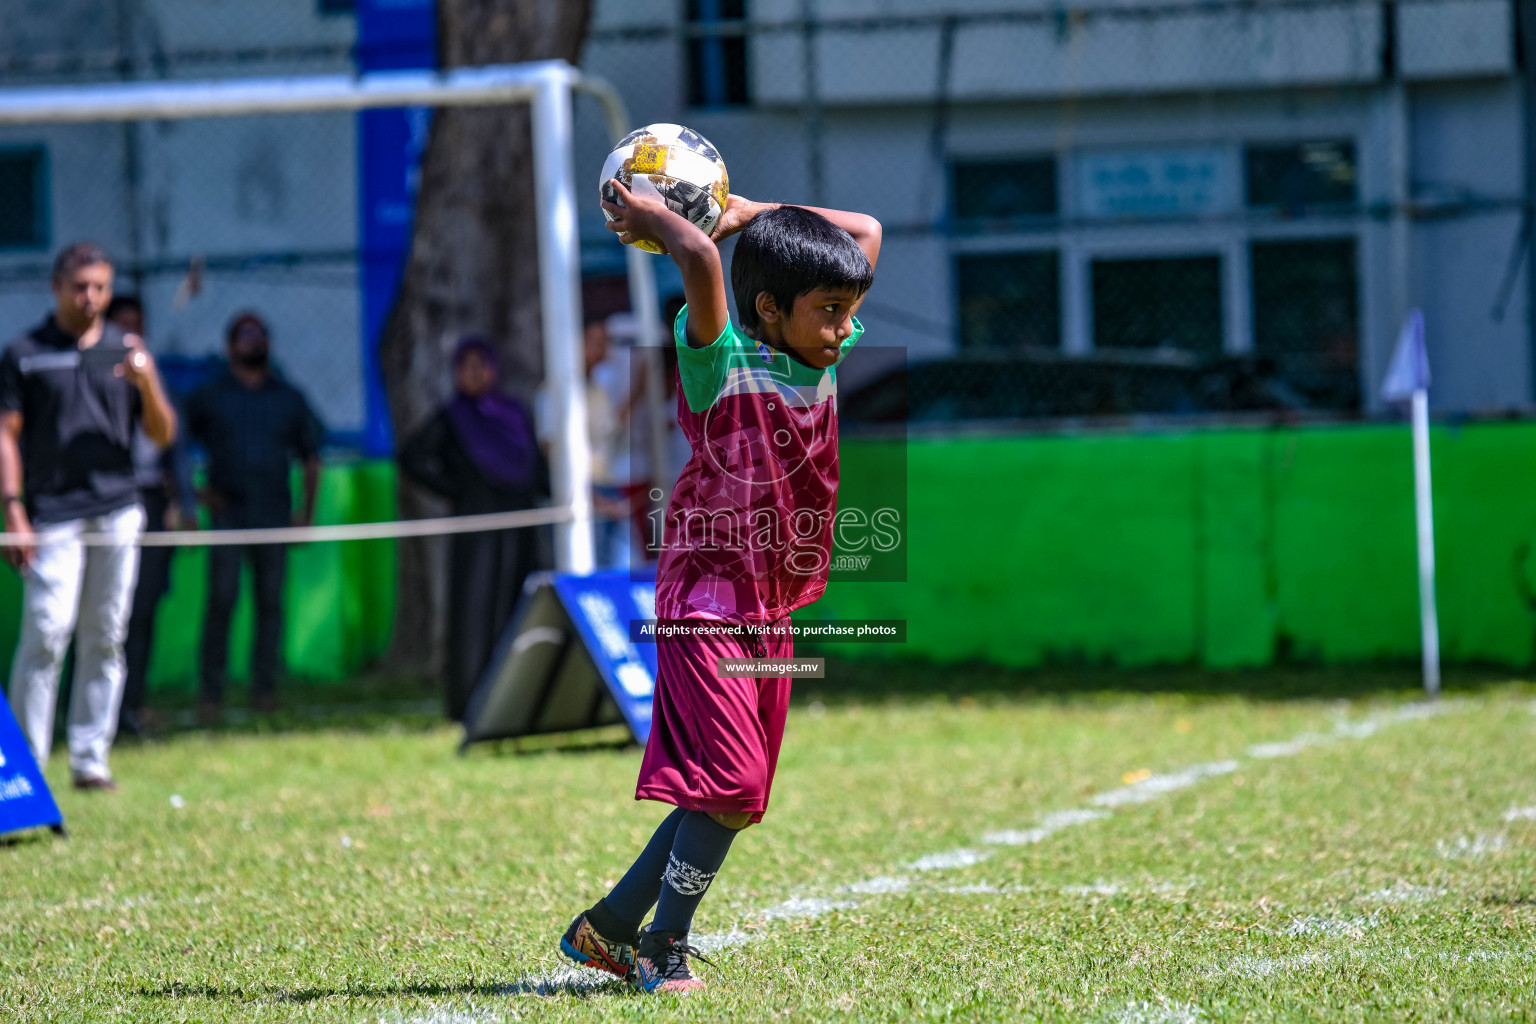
(714, 743)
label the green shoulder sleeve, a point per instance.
(702, 370)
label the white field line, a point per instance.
(562, 981)
(804, 906)
(1268, 966)
(1049, 826)
(949, 860)
(879, 885)
(984, 889)
(1470, 848)
(1290, 748)
(1330, 926)
(1520, 814)
(443, 1015)
(1154, 786)
(1137, 888)
(714, 942)
(1405, 893)
(1161, 1012)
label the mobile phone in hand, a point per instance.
(103, 356)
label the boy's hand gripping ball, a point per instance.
(674, 164)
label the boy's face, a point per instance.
(817, 325)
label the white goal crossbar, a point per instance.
(547, 87)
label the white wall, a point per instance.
(1467, 140)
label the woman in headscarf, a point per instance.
(480, 452)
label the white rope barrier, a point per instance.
(307, 534)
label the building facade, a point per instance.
(1274, 182)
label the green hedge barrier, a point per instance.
(1227, 548)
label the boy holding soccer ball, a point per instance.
(748, 540)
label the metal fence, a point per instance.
(1117, 210)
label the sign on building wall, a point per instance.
(1157, 182)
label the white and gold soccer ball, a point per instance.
(674, 164)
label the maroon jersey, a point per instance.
(748, 534)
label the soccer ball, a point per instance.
(674, 164)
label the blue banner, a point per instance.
(24, 798)
(391, 34)
(601, 606)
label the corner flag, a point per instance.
(1408, 379)
(1409, 371)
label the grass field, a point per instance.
(1012, 855)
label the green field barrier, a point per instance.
(1227, 548)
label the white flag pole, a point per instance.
(1408, 380)
(1429, 622)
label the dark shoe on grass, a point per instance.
(662, 963)
(586, 946)
(100, 782)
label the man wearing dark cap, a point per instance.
(71, 393)
(254, 426)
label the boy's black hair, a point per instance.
(789, 251)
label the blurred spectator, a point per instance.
(164, 478)
(624, 377)
(71, 393)
(480, 452)
(254, 425)
(605, 433)
(610, 511)
(620, 495)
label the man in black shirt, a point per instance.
(71, 393)
(253, 425)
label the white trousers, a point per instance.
(70, 584)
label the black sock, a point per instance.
(697, 853)
(636, 892)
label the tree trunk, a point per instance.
(472, 269)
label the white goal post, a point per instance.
(545, 85)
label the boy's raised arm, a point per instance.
(695, 254)
(866, 231)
